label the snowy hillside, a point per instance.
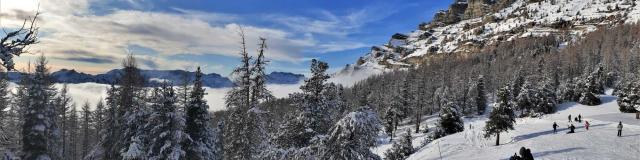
(495, 21)
(597, 143)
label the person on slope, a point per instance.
(620, 129)
(572, 129)
(569, 118)
(554, 127)
(586, 125)
(579, 118)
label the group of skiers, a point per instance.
(578, 119)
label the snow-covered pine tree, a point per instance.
(132, 112)
(86, 130)
(73, 151)
(259, 93)
(450, 119)
(238, 100)
(568, 91)
(518, 82)
(402, 150)
(501, 118)
(480, 99)
(312, 118)
(245, 136)
(628, 97)
(259, 89)
(314, 115)
(398, 108)
(204, 139)
(166, 126)
(590, 86)
(99, 115)
(110, 132)
(5, 114)
(62, 104)
(40, 132)
(547, 101)
(526, 100)
(352, 136)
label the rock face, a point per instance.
(470, 25)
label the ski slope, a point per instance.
(598, 143)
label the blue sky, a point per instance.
(182, 34)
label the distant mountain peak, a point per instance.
(154, 77)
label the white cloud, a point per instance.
(70, 26)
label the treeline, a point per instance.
(133, 122)
(534, 74)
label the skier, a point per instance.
(620, 129)
(576, 119)
(586, 125)
(554, 127)
(569, 118)
(579, 118)
(571, 129)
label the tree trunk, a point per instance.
(418, 116)
(638, 115)
(497, 139)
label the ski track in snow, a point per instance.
(598, 143)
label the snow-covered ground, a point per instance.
(598, 143)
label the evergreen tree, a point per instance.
(238, 100)
(132, 111)
(62, 104)
(166, 126)
(40, 132)
(480, 99)
(5, 100)
(313, 117)
(86, 130)
(73, 139)
(501, 118)
(352, 136)
(99, 115)
(402, 150)
(450, 120)
(245, 136)
(204, 139)
(526, 99)
(259, 89)
(110, 133)
(629, 99)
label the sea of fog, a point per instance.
(94, 92)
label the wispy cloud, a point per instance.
(71, 31)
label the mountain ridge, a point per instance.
(155, 77)
(468, 26)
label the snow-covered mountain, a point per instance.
(154, 77)
(468, 26)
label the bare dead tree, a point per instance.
(14, 43)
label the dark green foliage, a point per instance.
(501, 118)
(450, 120)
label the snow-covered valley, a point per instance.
(597, 143)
